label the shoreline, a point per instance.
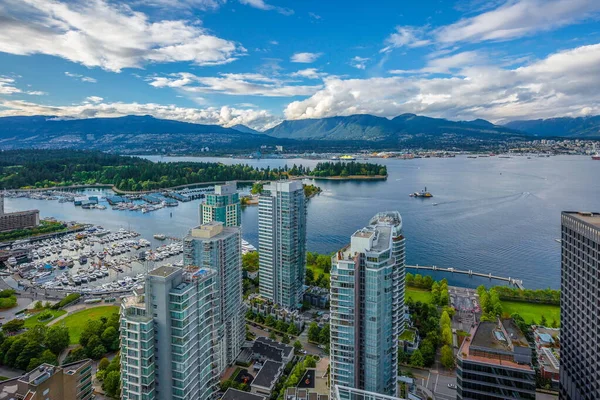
(343, 178)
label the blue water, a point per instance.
(493, 215)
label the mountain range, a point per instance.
(579, 128)
(132, 134)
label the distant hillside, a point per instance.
(403, 128)
(245, 129)
(125, 134)
(580, 127)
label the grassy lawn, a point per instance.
(317, 271)
(532, 312)
(408, 335)
(422, 295)
(76, 321)
(33, 320)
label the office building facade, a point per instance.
(223, 206)
(494, 363)
(282, 243)
(168, 337)
(17, 220)
(218, 247)
(367, 307)
(580, 306)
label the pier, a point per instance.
(515, 282)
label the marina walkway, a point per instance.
(515, 282)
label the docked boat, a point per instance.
(596, 155)
(423, 193)
(159, 236)
(12, 261)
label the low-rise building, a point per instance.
(346, 393)
(267, 377)
(234, 394)
(264, 349)
(48, 382)
(316, 296)
(547, 343)
(294, 393)
(495, 363)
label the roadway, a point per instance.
(436, 381)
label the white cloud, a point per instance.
(248, 84)
(405, 36)
(516, 19)
(183, 4)
(7, 86)
(261, 5)
(306, 58)
(310, 73)
(274, 42)
(225, 116)
(94, 99)
(359, 62)
(111, 36)
(81, 77)
(564, 83)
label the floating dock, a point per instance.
(515, 282)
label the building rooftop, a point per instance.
(500, 343)
(268, 374)
(271, 349)
(163, 271)
(591, 218)
(234, 394)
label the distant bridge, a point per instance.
(516, 282)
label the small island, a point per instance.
(340, 171)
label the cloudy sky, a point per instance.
(257, 62)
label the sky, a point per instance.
(258, 62)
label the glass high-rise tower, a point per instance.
(223, 206)
(168, 336)
(282, 243)
(580, 306)
(367, 307)
(218, 247)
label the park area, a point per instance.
(533, 312)
(415, 294)
(43, 317)
(76, 322)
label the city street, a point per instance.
(436, 382)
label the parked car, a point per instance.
(452, 386)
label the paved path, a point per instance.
(10, 372)
(436, 381)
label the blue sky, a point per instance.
(257, 62)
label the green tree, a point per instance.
(445, 320)
(416, 359)
(313, 332)
(543, 321)
(447, 357)
(16, 348)
(31, 350)
(13, 326)
(292, 329)
(418, 281)
(103, 364)
(324, 334)
(410, 279)
(427, 282)
(297, 346)
(270, 320)
(57, 338)
(447, 336)
(112, 383)
(272, 335)
(285, 339)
